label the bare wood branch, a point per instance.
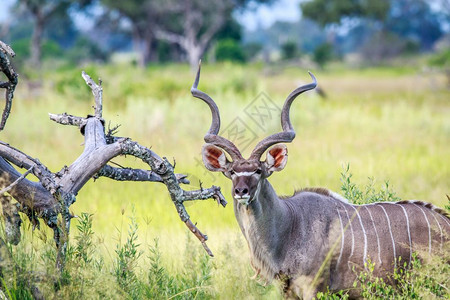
(5, 48)
(159, 166)
(97, 91)
(56, 191)
(22, 160)
(66, 119)
(99, 149)
(129, 174)
(112, 130)
(7, 69)
(95, 155)
(9, 187)
(201, 237)
(33, 198)
(164, 169)
(203, 194)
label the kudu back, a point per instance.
(314, 239)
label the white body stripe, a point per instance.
(351, 229)
(429, 228)
(342, 238)
(365, 236)
(392, 236)
(409, 233)
(440, 229)
(376, 233)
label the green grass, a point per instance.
(388, 123)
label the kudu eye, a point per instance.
(231, 172)
(259, 171)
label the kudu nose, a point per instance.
(240, 191)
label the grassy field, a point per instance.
(390, 124)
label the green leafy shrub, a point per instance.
(126, 261)
(441, 59)
(84, 247)
(51, 50)
(427, 278)
(369, 194)
(323, 54)
(229, 50)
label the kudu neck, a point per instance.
(266, 206)
(263, 222)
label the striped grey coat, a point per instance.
(319, 240)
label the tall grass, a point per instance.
(386, 123)
(189, 274)
(152, 271)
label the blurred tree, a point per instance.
(84, 49)
(383, 45)
(334, 12)
(194, 23)
(42, 12)
(327, 12)
(305, 32)
(190, 24)
(444, 8)
(323, 54)
(142, 16)
(226, 44)
(20, 30)
(231, 29)
(289, 50)
(61, 29)
(379, 29)
(164, 50)
(414, 20)
(229, 50)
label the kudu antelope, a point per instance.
(314, 239)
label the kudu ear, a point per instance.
(276, 158)
(214, 158)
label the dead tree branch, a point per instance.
(128, 174)
(56, 192)
(97, 91)
(159, 167)
(10, 85)
(9, 187)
